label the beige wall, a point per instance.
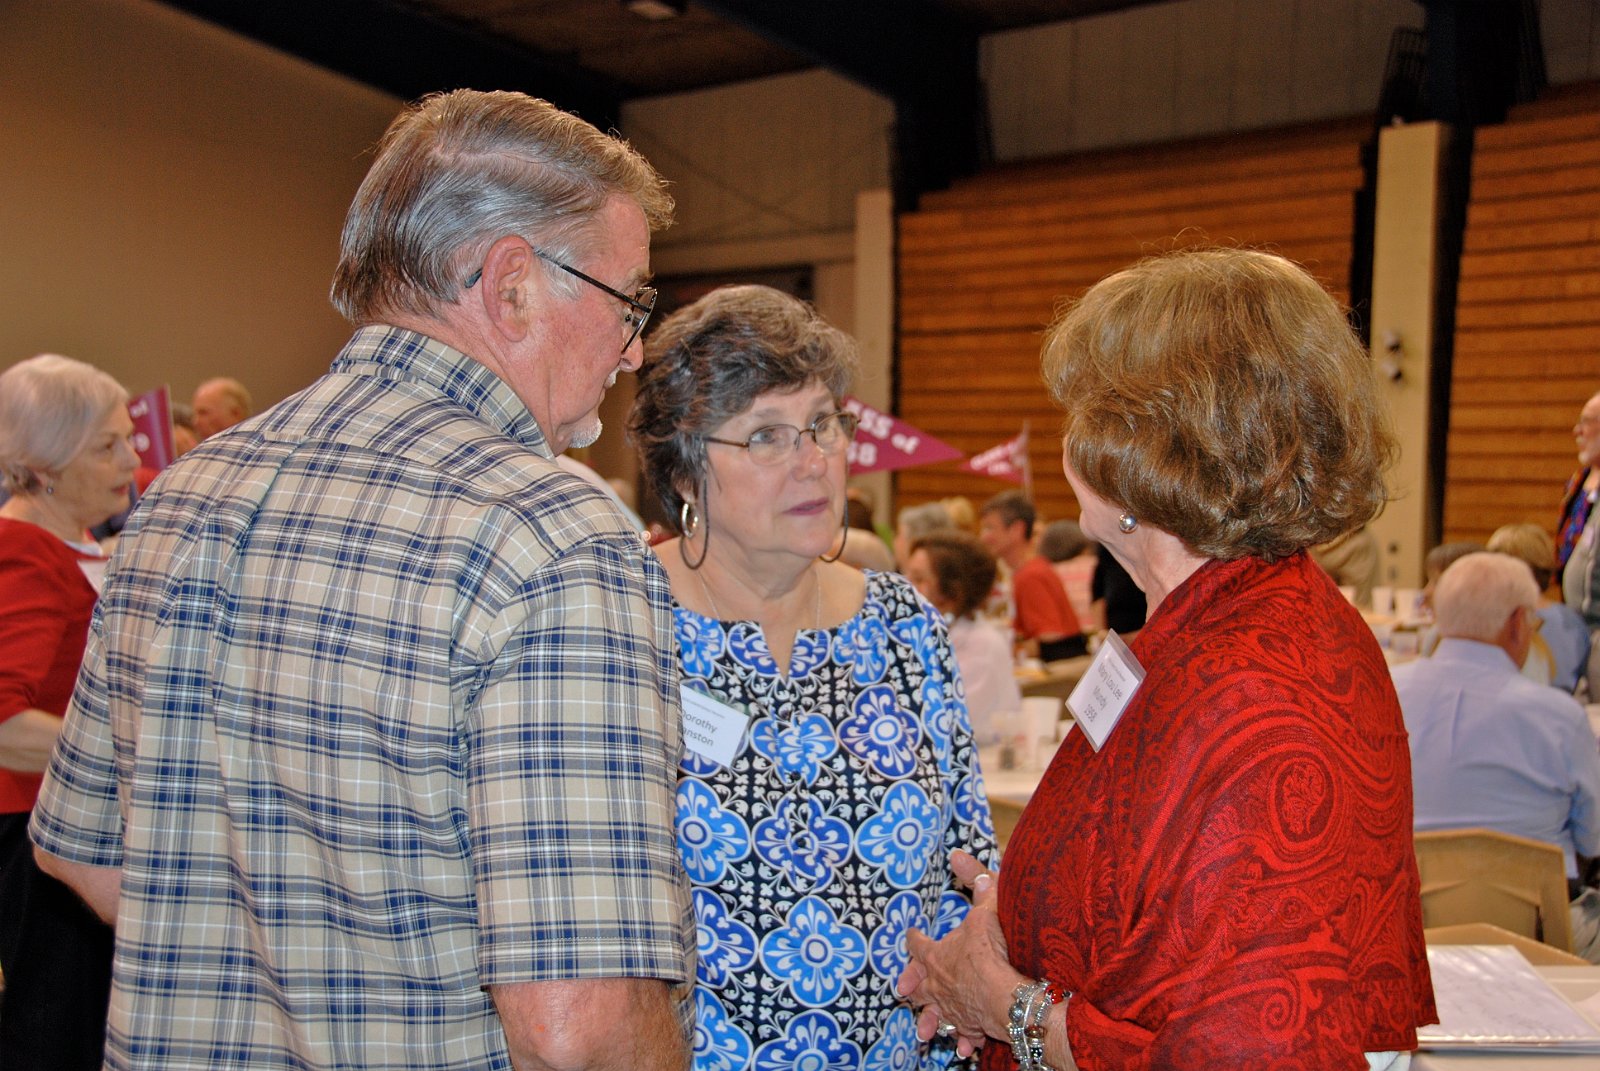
(873, 319)
(1404, 283)
(1161, 72)
(780, 157)
(1571, 31)
(1189, 68)
(171, 196)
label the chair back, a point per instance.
(1480, 875)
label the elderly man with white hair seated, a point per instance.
(1489, 747)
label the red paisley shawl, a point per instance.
(1230, 882)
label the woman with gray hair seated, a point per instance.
(913, 523)
(67, 460)
(818, 833)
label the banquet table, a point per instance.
(1010, 788)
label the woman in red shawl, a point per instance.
(1229, 880)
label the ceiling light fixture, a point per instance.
(656, 10)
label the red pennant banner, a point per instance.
(1007, 461)
(152, 428)
(884, 443)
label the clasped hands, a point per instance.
(965, 980)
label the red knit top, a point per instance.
(1043, 608)
(45, 603)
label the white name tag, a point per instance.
(711, 727)
(1105, 690)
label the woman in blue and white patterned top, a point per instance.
(830, 768)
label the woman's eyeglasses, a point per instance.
(777, 443)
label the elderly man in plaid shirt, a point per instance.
(372, 756)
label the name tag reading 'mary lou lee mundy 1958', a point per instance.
(1105, 690)
(711, 728)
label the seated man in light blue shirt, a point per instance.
(1488, 746)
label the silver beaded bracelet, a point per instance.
(1030, 1004)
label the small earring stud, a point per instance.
(1127, 523)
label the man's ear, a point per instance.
(1516, 628)
(510, 273)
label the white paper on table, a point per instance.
(1491, 999)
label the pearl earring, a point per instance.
(1127, 523)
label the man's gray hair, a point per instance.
(458, 171)
(1062, 541)
(915, 522)
(1478, 592)
(50, 408)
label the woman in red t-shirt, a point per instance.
(1229, 879)
(67, 461)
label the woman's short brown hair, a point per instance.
(709, 361)
(1221, 395)
(962, 567)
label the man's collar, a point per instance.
(1478, 652)
(409, 354)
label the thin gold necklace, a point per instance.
(817, 611)
(796, 788)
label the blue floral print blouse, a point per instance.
(829, 835)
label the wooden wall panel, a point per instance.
(984, 266)
(1527, 317)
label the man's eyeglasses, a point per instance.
(777, 443)
(640, 305)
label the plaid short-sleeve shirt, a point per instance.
(379, 709)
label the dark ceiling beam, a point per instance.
(409, 54)
(1483, 56)
(911, 51)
